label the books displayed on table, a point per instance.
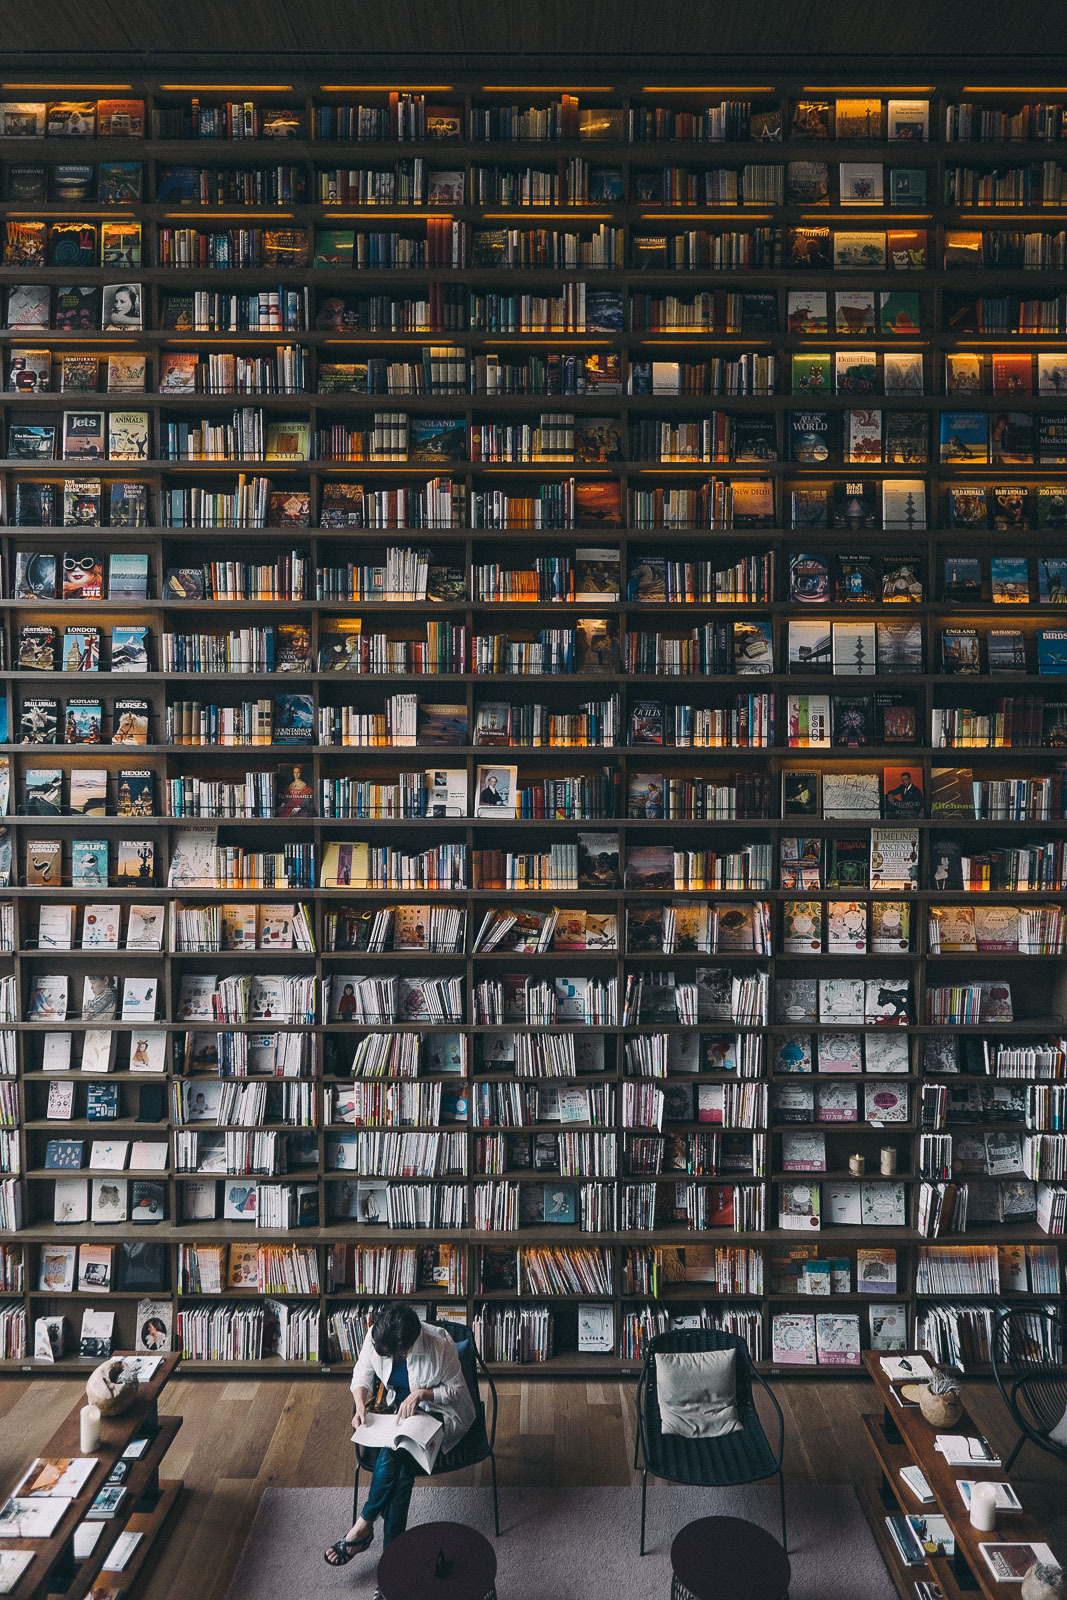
(965, 1450)
(916, 1536)
(1009, 1563)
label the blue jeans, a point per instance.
(389, 1495)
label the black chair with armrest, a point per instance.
(744, 1456)
(479, 1441)
(1029, 1368)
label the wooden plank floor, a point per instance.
(241, 1438)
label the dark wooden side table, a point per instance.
(902, 1437)
(149, 1498)
(727, 1558)
(408, 1569)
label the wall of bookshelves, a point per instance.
(535, 712)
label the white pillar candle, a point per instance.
(89, 1433)
(984, 1507)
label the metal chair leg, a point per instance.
(496, 1499)
(644, 1494)
(1011, 1459)
(781, 1495)
(355, 1494)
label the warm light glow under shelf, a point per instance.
(521, 214)
(230, 88)
(386, 88)
(390, 216)
(706, 88)
(680, 214)
(72, 88)
(227, 216)
(878, 88)
(547, 88)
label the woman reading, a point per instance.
(420, 1367)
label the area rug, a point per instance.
(566, 1544)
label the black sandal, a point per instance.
(341, 1553)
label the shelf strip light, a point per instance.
(231, 88)
(706, 88)
(386, 88)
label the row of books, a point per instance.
(712, 995)
(572, 504)
(653, 1055)
(409, 115)
(439, 369)
(859, 437)
(954, 794)
(962, 1336)
(458, 309)
(505, 1333)
(743, 720)
(454, 370)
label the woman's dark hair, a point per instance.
(396, 1327)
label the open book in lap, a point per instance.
(421, 1435)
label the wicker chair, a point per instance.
(745, 1456)
(1029, 1368)
(479, 1441)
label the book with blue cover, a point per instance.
(965, 437)
(293, 719)
(63, 1154)
(102, 1102)
(1051, 650)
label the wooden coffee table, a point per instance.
(407, 1569)
(727, 1558)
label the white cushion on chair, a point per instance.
(697, 1393)
(1058, 1434)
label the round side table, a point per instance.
(727, 1558)
(408, 1568)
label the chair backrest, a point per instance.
(469, 1359)
(689, 1341)
(480, 1439)
(1028, 1352)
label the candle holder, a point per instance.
(887, 1161)
(984, 1507)
(857, 1165)
(89, 1429)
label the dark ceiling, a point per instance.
(626, 33)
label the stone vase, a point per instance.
(1044, 1582)
(941, 1410)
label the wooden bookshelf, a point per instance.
(1036, 980)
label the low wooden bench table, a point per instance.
(902, 1437)
(53, 1569)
